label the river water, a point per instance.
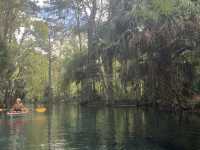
(70, 127)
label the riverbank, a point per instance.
(188, 106)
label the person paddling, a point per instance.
(1, 107)
(18, 106)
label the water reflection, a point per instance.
(70, 127)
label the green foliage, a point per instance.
(163, 7)
(3, 56)
(73, 70)
(41, 29)
(35, 74)
(145, 50)
(129, 49)
(163, 10)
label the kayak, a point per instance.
(13, 113)
(41, 110)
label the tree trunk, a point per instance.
(50, 94)
(91, 47)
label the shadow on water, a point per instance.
(71, 127)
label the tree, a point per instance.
(12, 14)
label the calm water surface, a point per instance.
(69, 127)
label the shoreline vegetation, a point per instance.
(112, 52)
(192, 105)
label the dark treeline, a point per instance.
(146, 52)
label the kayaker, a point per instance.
(18, 106)
(1, 107)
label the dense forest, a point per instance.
(110, 52)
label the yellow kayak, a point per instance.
(41, 109)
